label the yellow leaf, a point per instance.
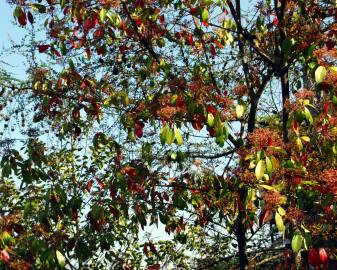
(320, 74)
(279, 222)
(269, 165)
(240, 109)
(299, 144)
(281, 211)
(333, 69)
(275, 162)
(305, 138)
(210, 120)
(251, 165)
(177, 136)
(259, 170)
(268, 187)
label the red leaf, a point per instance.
(206, 24)
(66, 10)
(129, 171)
(139, 129)
(329, 44)
(113, 193)
(190, 39)
(55, 52)
(154, 267)
(323, 256)
(198, 122)
(326, 106)
(146, 252)
(89, 185)
(275, 22)
(193, 11)
(218, 44)
(75, 214)
(4, 256)
(180, 102)
(162, 19)
(212, 50)
(85, 83)
(265, 216)
(153, 248)
(166, 197)
(87, 52)
(76, 114)
(313, 258)
(98, 34)
(211, 110)
(138, 22)
(100, 183)
(22, 19)
(295, 127)
(270, 141)
(42, 48)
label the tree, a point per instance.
(197, 115)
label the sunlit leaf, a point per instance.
(320, 74)
(178, 136)
(296, 243)
(60, 258)
(279, 222)
(259, 170)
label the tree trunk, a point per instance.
(252, 115)
(241, 231)
(285, 96)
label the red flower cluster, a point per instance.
(262, 138)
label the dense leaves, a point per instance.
(214, 125)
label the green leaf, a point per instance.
(62, 3)
(169, 136)
(102, 15)
(177, 136)
(163, 218)
(210, 120)
(205, 15)
(38, 7)
(220, 140)
(286, 46)
(269, 165)
(281, 211)
(60, 258)
(259, 170)
(320, 74)
(296, 243)
(163, 134)
(308, 115)
(17, 12)
(279, 222)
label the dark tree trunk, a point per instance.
(241, 232)
(285, 96)
(252, 115)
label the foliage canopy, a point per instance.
(215, 121)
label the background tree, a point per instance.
(187, 114)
